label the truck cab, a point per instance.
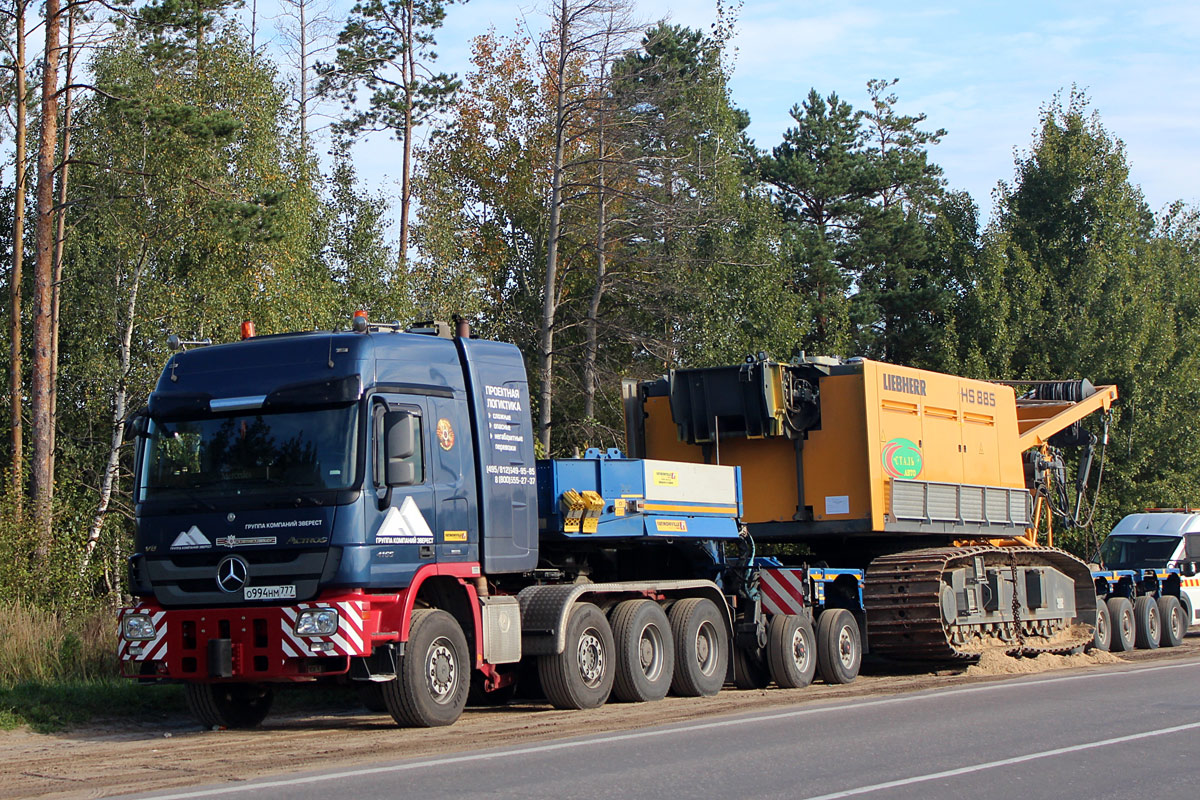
(1163, 543)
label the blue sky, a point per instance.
(982, 70)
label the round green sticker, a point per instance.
(902, 458)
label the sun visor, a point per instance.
(329, 392)
(168, 406)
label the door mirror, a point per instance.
(400, 433)
(136, 426)
(1188, 568)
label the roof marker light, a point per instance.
(247, 330)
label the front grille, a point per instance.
(190, 579)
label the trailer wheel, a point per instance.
(701, 647)
(1171, 618)
(1121, 624)
(645, 651)
(791, 651)
(433, 676)
(1103, 636)
(1148, 627)
(581, 676)
(749, 669)
(229, 705)
(839, 646)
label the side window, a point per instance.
(379, 429)
(1192, 546)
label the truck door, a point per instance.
(401, 519)
(452, 473)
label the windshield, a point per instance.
(250, 455)
(1137, 552)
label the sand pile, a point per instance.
(995, 661)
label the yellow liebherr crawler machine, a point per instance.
(935, 485)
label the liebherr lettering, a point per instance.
(901, 383)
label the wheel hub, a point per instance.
(799, 650)
(846, 647)
(650, 652)
(441, 670)
(591, 658)
(706, 651)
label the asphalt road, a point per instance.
(1109, 733)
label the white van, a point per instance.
(1159, 539)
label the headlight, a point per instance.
(317, 622)
(137, 627)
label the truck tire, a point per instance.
(581, 676)
(434, 674)
(839, 646)
(370, 694)
(791, 651)
(229, 705)
(750, 671)
(1172, 620)
(1121, 624)
(1103, 636)
(645, 651)
(1148, 628)
(701, 647)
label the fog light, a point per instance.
(136, 627)
(317, 622)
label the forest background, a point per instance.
(586, 190)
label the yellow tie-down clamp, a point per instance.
(573, 506)
(594, 507)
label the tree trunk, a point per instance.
(43, 276)
(591, 345)
(546, 338)
(61, 235)
(120, 397)
(302, 8)
(15, 385)
(410, 78)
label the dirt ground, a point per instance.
(105, 760)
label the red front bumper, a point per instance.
(262, 641)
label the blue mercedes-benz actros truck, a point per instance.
(366, 506)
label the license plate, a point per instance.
(270, 592)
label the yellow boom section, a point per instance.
(1038, 420)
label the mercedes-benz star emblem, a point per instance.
(232, 573)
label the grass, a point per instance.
(47, 707)
(59, 668)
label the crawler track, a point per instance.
(903, 598)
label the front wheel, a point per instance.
(791, 651)
(701, 647)
(839, 646)
(1172, 620)
(229, 705)
(581, 676)
(370, 694)
(433, 676)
